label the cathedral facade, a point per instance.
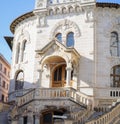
(66, 63)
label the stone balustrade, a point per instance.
(54, 93)
(109, 92)
(80, 97)
(68, 1)
(13, 95)
(111, 117)
(115, 92)
(81, 115)
(61, 1)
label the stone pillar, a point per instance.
(30, 118)
(68, 78)
(20, 120)
(40, 77)
(37, 119)
(20, 54)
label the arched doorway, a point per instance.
(57, 72)
(59, 76)
(52, 115)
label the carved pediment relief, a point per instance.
(56, 49)
(55, 46)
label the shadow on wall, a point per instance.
(86, 72)
(19, 88)
(20, 84)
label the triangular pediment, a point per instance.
(55, 46)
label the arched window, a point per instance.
(18, 53)
(71, 9)
(59, 37)
(24, 50)
(64, 10)
(19, 82)
(70, 39)
(50, 1)
(115, 76)
(114, 44)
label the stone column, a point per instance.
(68, 78)
(20, 120)
(20, 54)
(37, 119)
(40, 78)
(30, 118)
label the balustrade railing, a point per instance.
(13, 95)
(111, 117)
(54, 93)
(61, 1)
(68, 1)
(115, 92)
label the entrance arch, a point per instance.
(57, 68)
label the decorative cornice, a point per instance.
(20, 19)
(71, 8)
(110, 5)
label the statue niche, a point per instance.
(114, 44)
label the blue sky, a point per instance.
(10, 10)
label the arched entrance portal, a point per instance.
(53, 115)
(56, 66)
(59, 76)
(59, 72)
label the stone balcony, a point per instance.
(53, 94)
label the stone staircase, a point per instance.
(82, 111)
(110, 117)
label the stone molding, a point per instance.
(65, 27)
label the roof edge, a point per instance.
(31, 13)
(20, 19)
(107, 4)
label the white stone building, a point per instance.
(66, 63)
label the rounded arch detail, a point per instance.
(19, 80)
(24, 35)
(65, 57)
(64, 27)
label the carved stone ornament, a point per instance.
(89, 16)
(66, 26)
(40, 3)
